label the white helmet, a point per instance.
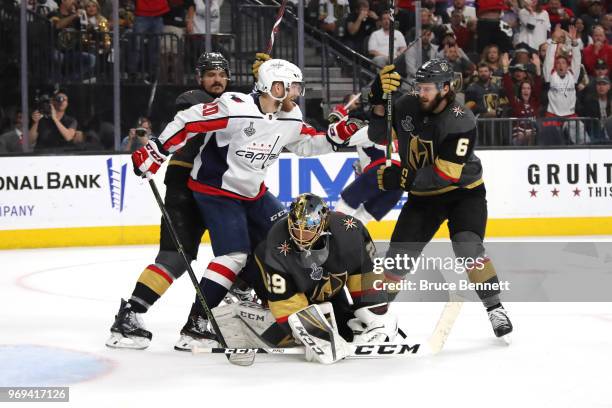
(278, 70)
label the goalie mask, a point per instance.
(278, 70)
(307, 220)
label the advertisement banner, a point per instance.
(534, 187)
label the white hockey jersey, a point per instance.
(562, 91)
(240, 143)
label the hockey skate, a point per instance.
(195, 333)
(240, 292)
(128, 330)
(500, 322)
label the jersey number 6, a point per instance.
(462, 146)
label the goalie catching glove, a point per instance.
(373, 324)
(339, 133)
(149, 158)
(319, 334)
(386, 82)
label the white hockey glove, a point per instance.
(321, 339)
(373, 324)
(149, 158)
(339, 133)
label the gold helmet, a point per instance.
(307, 220)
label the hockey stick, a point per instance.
(447, 320)
(244, 359)
(358, 351)
(276, 26)
(389, 113)
(151, 99)
(353, 99)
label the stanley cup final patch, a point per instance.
(249, 131)
(407, 124)
(317, 272)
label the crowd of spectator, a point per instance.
(523, 59)
(542, 63)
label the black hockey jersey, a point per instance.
(293, 280)
(439, 147)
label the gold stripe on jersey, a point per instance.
(452, 170)
(180, 163)
(483, 274)
(286, 307)
(362, 282)
(154, 281)
(446, 189)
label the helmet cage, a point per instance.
(307, 215)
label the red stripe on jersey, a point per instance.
(201, 126)
(379, 162)
(222, 270)
(214, 191)
(444, 175)
(160, 273)
(308, 130)
(391, 277)
(361, 293)
(281, 320)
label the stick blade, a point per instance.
(243, 360)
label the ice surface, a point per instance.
(57, 306)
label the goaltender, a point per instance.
(302, 269)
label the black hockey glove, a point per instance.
(386, 82)
(394, 177)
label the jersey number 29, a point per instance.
(275, 284)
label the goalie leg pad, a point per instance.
(321, 340)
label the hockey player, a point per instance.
(243, 136)
(361, 198)
(128, 331)
(308, 258)
(439, 169)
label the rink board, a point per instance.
(97, 200)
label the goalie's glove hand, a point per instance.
(260, 58)
(373, 324)
(149, 158)
(387, 82)
(337, 114)
(339, 133)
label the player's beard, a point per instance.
(216, 89)
(429, 106)
(287, 104)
